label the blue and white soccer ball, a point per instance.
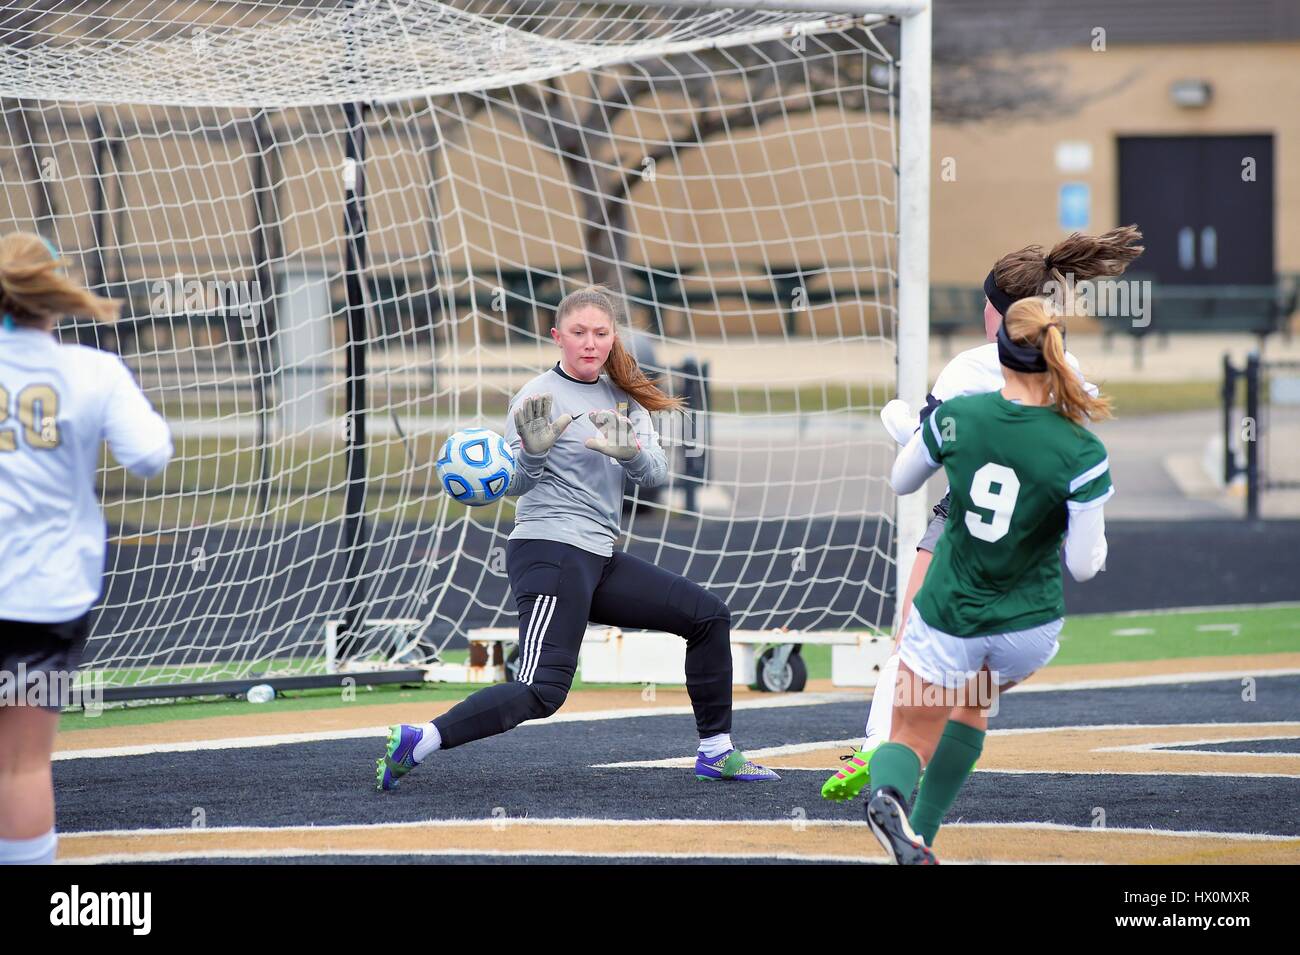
(475, 466)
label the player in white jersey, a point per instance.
(58, 403)
(1021, 274)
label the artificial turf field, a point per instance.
(1163, 737)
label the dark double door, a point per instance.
(1202, 222)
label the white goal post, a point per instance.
(339, 230)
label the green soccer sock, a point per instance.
(896, 766)
(953, 761)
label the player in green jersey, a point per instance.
(1024, 474)
(1021, 274)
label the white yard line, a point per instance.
(536, 822)
(254, 854)
(217, 852)
(1293, 730)
(1285, 725)
(1160, 679)
(774, 702)
(1161, 611)
(380, 732)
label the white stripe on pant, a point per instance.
(543, 609)
(526, 651)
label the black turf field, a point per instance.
(548, 771)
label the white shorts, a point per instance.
(949, 661)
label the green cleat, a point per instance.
(852, 778)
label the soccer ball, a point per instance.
(475, 466)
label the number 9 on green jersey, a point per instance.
(1015, 472)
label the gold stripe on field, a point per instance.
(955, 843)
(1090, 750)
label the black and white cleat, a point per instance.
(887, 818)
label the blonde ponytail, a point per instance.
(32, 287)
(1031, 321)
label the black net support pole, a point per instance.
(1252, 446)
(95, 272)
(263, 320)
(354, 228)
(1230, 375)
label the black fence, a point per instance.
(1256, 441)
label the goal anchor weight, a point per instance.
(341, 638)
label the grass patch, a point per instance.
(199, 708)
(217, 480)
(203, 707)
(1132, 398)
(830, 396)
(1114, 638)
(1211, 633)
(818, 661)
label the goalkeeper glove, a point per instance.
(900, 420)
(617, 436)
(537, 433)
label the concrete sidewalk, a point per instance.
(1189, 357)
(1170, 467)
(781, 363)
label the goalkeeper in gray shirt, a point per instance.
(577, 431)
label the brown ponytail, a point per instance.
(32, 287)
(620, 366)
(1027, 271)
(1031, 321)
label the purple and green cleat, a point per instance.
(731, 765)
(398, 758)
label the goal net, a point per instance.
(340, 232)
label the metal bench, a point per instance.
(954, 309)
(1259, 310)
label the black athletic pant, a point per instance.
(558, 588)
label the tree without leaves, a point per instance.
(983, 68)
(724, 91)
(1004, 64)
